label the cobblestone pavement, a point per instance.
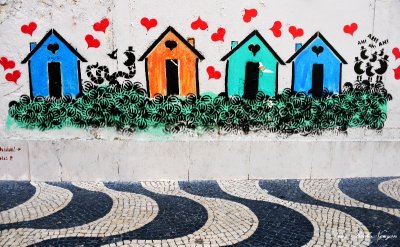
(338, 212)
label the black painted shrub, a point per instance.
(128, 109)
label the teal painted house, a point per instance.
(252, 66)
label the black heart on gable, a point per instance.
(170, 44)
(254, 49)
(318, 50)
(53, 48)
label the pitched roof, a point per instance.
(52, 31)
(171, 29)
(317, 35)
(254, 33)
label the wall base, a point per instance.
(98, 160)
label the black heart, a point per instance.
(170, 44)
(53, 48)
(254, 49)
(318, 50)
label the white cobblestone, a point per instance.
(391, 188)
(47, 200)
(128, 213)
(223, 217)
(323, 219)
(329, 191)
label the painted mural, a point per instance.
(170, 99)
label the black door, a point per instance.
(55, 87)
(251, 80)
(317, 80)
(172, 68)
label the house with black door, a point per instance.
(317, 67)
(172, 65)
(251, 67)
(54, 67)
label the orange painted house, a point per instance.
(172, 65)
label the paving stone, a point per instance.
(347, 212)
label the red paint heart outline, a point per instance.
(213, 74)
(148, 23)
(276, 29)
(7, 64)
(296, 32)
(396, 53)
(92, 42)
(249, 14)
(199, 24)
(397, 73)
(14, 76)
(101, 26)
(219, 35)
(29, 29)
(350, 29)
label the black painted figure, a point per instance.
(374, 57)
(363, 53)
(383, 68)
(382, 52)
(369, 71)
(357, 68)
(102, 73)
(113, 55)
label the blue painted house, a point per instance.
(54, 67)
(317, 66)
(252, 66)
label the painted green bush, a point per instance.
(128, 109)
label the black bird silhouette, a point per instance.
(363, 53)
(369, 72)
(374, 57)
(383, 68)
(113, 55)
(358, 70)
(382, 52)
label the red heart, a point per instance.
(350, 29)
(14, 76)
(249, 14)
(296, 32)
(199, 23)
(29, 29)
(212, 73)
(397, 73)
(92, 42)
(7, 64)
(276, 29)
(101, 26)
(219, 35)
(148, 24)
(396, 53)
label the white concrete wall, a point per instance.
(77, 154)
(205, 159)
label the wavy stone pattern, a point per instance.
(129, 212)
(329, 191)
(210, 213)
(14, 193)
(391, 188)
(228, 222)
(47, 200)
(331, 227)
